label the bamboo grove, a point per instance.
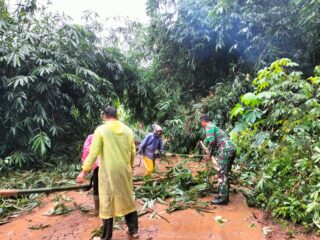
(254, 66)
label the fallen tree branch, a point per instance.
(150, 210)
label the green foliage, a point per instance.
(180, 186)
(61, 175)
(182, 129)
(54, 81)
(48, 90)
(12, 206)
(60, 206)
(262, 31)
(40, 143)
(197, 44)
(181, 120)
(278, 138)
(183, 42)
(223, 97)
(200, 47)
(55, 77)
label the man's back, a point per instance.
(118, 144)
(114, 142)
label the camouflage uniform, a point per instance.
(224, 151)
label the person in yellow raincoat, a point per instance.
(114, 143)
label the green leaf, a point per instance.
(313, 207)
(251, 116)
(238, 109)
(21, 81)
(240, 126)
(40, 143)
(266, 95)
(250, 99)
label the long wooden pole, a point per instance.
(17, 192)
(184, 155)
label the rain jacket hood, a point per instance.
(115, 126)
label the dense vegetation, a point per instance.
(55, 79)
(278, 136)
(194, 56)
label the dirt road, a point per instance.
(240, 222)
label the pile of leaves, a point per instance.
(278, 138)
(60, 206)
(181, 188)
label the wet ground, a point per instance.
(241, 222)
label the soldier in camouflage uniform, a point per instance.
(224, 151)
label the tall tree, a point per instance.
(51, 94)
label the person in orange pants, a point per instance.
(147, 148)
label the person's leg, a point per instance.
(96, 201)
(223, 191)
(225, 161)
(148, 163)
(107, 229)
(230, 155)
(132, 223)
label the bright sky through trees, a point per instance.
(134, 9)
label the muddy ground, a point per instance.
(241, 222)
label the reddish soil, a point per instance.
(242, 222)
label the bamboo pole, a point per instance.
(184, 155)
(17, 192)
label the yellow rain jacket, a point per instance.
(114, 143)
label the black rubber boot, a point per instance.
(107, 229)
(220, 200)
(132, 223)
(96, 204)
